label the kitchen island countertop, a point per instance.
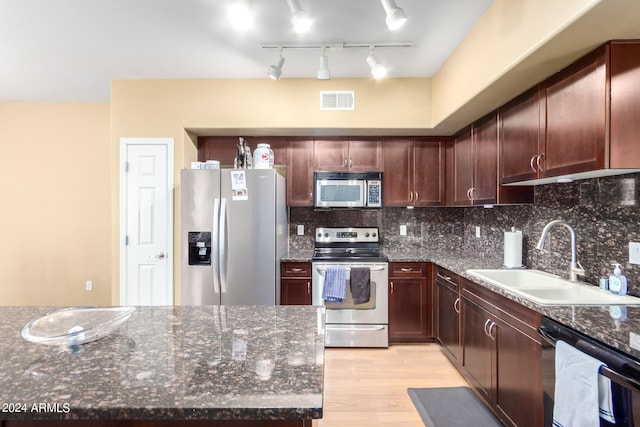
(263, 363)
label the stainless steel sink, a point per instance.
(548, 289)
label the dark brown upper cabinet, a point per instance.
(300, 162)
(472, 168)
(579, 123)
(413, 171)
(362, 154)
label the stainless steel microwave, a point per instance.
(347, 189)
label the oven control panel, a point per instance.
(347, 235)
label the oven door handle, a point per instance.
(353, 328)
(377, 268)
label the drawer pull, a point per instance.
(294, 270)
(406, 270)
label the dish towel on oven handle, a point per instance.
(335, 284)
(582, 395)
(360, 284)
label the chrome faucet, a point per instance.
(575, 269)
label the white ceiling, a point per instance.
(69, 50)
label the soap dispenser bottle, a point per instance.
(617, 281)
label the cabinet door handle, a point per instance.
(491, 329)
(344, 161)
(391, 286)
(469, 194)
(406, 270)
(473, 193)
(411, 196)
(540, 156)
(532, 164)
(308, 288)
(416, 196)
(486, 331)
(350, 162)
(456, 305)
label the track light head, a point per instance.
(323, 71)
(378, 70)
(395, 15)
(275, 71)
(300, 19)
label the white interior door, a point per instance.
(146, 274)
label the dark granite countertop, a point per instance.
(192, 362)
(594, 321)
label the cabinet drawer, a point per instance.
(295, 269)
(408, 269)
(447, 278)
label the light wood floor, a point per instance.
(368, 387)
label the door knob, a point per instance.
(161, 255)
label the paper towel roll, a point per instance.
(513, 249)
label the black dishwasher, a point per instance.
(621, 369)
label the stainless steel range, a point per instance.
(360, 321)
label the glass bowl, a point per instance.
(75, 326)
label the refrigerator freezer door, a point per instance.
(199, 191)
(249, 271)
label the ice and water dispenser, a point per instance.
(199, 248)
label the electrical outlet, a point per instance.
(634, 253)
(403, 230)
(88, 285)
(300, 230)
(478, 232)
(634, 341)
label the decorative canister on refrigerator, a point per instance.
(262, 157)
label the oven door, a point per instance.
(340, 193)
(355, 325)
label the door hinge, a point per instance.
(126, 166)
(126, 240)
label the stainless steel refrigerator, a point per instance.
(233, 233)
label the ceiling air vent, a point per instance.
(335, 100)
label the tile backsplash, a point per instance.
(605, 213)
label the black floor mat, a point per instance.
(451, 407)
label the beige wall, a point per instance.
(165, 108)
(55, 174)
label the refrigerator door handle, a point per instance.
(215, 256)
(223, 245)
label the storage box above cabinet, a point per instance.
(579, 123)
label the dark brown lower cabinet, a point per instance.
(295, 283)
(502, 354)
(410, 301)
(447, 305)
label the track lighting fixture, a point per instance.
(275, 71)
(378, 70)
(395, 15)
(299, 18)
(323, 71)
(240, 15)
